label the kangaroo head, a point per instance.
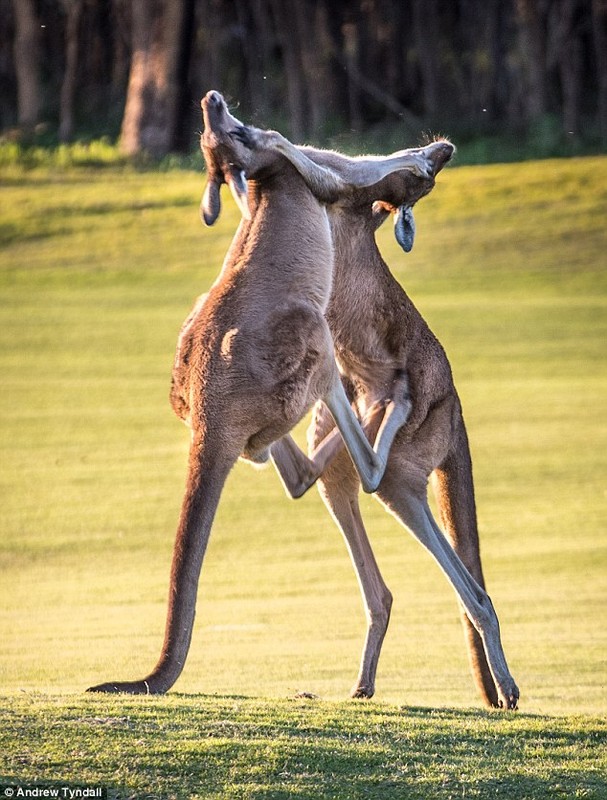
(219, 150)
(398, 193)
(226, 144)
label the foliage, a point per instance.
(99, 268)
(483, 69)
(18, 156)
(27, 154)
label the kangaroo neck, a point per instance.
(357, 257)
(285, 245)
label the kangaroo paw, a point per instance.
(362, 692)
(508, 698)
(132, 687)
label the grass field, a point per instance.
(98, 269)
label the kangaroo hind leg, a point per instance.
(210, 463)
(412, 510)
(339, 487)
(376, 596)
(386, 417)
(454, 492)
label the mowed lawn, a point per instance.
(97, 272)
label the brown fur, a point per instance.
(255, 353)
(378, 333)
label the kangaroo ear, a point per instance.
(404, 227)
(238, 186)
(210, 205)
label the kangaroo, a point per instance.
(256, 352)
(378, 335)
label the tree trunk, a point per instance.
(315, 44)
(478, 30)
(532, 36)
(350, 34)
(187, 108)
(254, 25)
(284, 19)
(26, 51)
(73, 10)
(207, 65)
(393, 40)
(569, 59)
(497, 91)
(426, 26)
(599, 20)
(152, 103)
(120, 46)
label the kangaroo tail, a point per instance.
(207, 473)
(454, 490)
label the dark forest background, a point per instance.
(532, 72)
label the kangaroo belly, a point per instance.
(290, 365)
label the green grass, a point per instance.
(235, 747)
(97, 271)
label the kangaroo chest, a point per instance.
(288, 254)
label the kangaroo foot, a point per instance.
(508, 696)
(131, 687)
(361, 691)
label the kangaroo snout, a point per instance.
(217, 118)
(212, 100)
(439, 154)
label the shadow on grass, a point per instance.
(237, 747)
(11, 232)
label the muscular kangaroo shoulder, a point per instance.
(429, 369)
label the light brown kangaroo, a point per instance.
(379, 335)
(256, 353)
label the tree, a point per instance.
(567, 47)
(153, 95)
(284, 16)
(532, 43)
(426, 26)
(599, 20)
(469, 67)
(73, 10)
(26, 52)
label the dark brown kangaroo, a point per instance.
(379, 335)
(256, 353)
